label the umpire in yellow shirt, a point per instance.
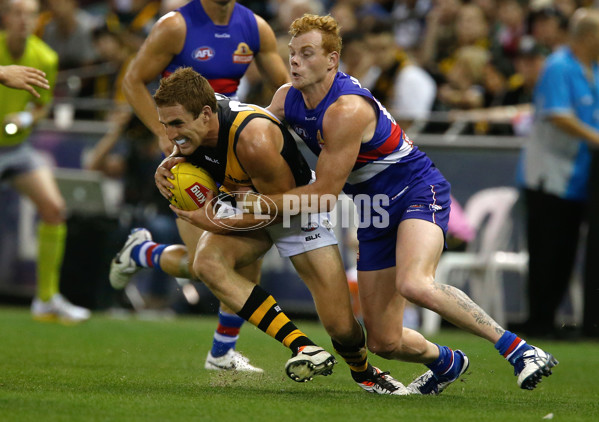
(22, 166)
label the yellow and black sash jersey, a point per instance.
(222, 162)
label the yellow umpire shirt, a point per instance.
(39, 55)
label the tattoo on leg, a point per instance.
(468, 305)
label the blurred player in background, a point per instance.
(21, 165)
(218, 39)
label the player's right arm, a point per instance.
(258, 150)
(164, 42)
(347, 123)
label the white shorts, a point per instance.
(295, 239)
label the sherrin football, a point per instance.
(191, 186)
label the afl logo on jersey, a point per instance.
(301, 132)
(203, 53)
(243, 54)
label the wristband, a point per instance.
(25, 119)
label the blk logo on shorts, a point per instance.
(313, 237)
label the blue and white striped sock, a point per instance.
(511, 347)
(147, 254)
(226, 334)
(447, 365)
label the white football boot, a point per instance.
(383, 383)
(532, 366)
(309, 361)
(429, 383)
(58, 308)
(230, 361)
(123, 267)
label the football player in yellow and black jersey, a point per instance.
(221, 159)
(244, 147)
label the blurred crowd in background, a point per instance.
(420, 58)
(431, 63)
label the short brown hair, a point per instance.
(327, 25)
(186, 87)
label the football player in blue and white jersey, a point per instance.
(404, 204)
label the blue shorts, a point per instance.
(422, 201)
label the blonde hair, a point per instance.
(186, 87)
(326, 25)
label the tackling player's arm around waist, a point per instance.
(347, 123)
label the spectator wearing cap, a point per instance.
(528, 64)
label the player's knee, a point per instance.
(396, 349)
(387, 349)
(53, 212)
(208, 268)
(344, 333)
(416, 289)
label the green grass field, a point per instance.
(130, 370)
